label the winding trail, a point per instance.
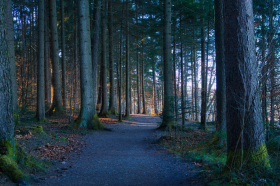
(126, 156)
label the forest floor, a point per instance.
(127, 155)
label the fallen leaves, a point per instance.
(52, 152)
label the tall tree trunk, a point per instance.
(220, 72)
(142, 80)
(56, 81)
(86, 119)
(137, 68)
(182, 76)
(63, 63)
(174, 70)
(203, 73)
(10, 39)
(154, 90)
(94, 49)
(112, 106)
(245, 131)
(271, 60)
(76, 71)
(40, 112)
(47, 58)
(168, 110)
(104, 107)
(6, 98)
(120, 70)
(127, 110)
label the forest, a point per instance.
(199, 75)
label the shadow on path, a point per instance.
(126, 156)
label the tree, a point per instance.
(10, 38)
(94, 42)
(168, 110)
(6, 98)
(56, 106)
(245, 132)
(127, 88)
(220, 71)
(40, 114)
(103, 70)
(112, 107)
(203, 72)
(87, 118)
(63, 63)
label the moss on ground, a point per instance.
(94, 125)
(105, 114)
(246, 159)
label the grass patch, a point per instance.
(199, 147)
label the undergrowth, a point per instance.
(198, 147)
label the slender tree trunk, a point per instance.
(174, 71)
(182, 76)
(76, 71)
(63, 63)
(246, 147)
(112, 106)
(168, 110)
(127, 110)
(120, 70)
(40, 112)
(94, 49)
(271, 60)
(203, 73)
(47, 58)
(220, 72)
(142, 80)
(154, 90)
(56, 82)
(104, 107)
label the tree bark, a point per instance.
(63, 63)
(127, 64)
(56, 81)
(47, 58)
(104, 107)
(168, 110)
(6, 98)
(203, 72)
(95, 41)
(10, 38)
(220, 72)
(112, 106)
(245, 131)
(40, 112)
(87, 118)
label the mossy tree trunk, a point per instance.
(40, 112)
(56, 106)
(87, 118)
(245, 131)
(168, 110)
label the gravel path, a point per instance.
(125, 156)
